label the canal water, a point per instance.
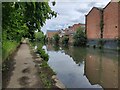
(84, 67)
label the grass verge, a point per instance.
(8, 47)
(45, 72)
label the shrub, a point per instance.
(42, 53)
(80, 37)
(56, 38)
(39, 36)
(65, 40)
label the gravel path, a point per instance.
(25, 73)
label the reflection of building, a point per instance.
(92, 69)
(119, 70)
(52, 47)
(102, 69)
(74, 52)
(49, 47)
(101, 23)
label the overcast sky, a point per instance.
(71, 12)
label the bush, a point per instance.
(80, 37)
(56, 38)
(42, 53)
(65, 40)
(39, 36)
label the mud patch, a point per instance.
(26, 70)
(25, 63)
(24, 81)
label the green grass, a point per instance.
(8, 47)
(47, 83)
(44, 64)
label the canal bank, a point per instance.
(28, 70)
(84, 67)
(46, 74)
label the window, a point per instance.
(115, 26)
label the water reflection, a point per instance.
(102, 68)
(84, 67)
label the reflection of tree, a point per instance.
(49, 47)
(53, 47)
(56, 47)
(78, 54)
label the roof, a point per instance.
(109, 4)
(52, 30)
(98, 8)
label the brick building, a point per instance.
(71, 30)
(93, 20)
(111, 28)
(103, 24)
(51, 33)
(110, 19)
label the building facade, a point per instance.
(104, 24)
(93, 30)
(71, 30)
(67, 32)
(51, 33)
(111, 24)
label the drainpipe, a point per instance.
(101, 28)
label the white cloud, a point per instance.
(71, 12)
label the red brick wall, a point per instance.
(93, 24)
(51, 34)
(119, 20)
(76, 26)
(110, 19)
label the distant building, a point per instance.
(104, 24)
(74, 28)
(51, 33)
(71, 30)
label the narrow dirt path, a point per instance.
(25, 73)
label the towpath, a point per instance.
(25, 74)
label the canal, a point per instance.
(84, 67)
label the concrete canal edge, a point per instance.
(58, 83)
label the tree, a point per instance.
(65, 40)
(80, 37)
(56, 38)
(39, 36)
(24, 18)
(36, 14)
